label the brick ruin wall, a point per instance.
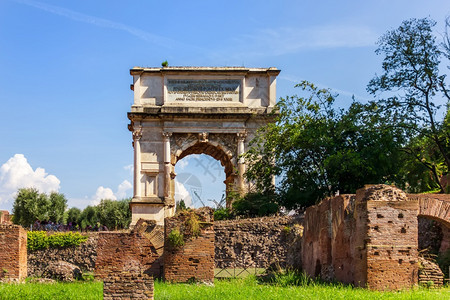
(391, 235)
(258, 242)
(368, 239)
(328, 239)
(195, 259)
(430, 275)
(126, 251)
(5, 217)
(128, 285)
(13, 254)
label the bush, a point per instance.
(176, 238)
(192, 224)
(255, 205)
(40, 240)
(37, 240)
(222, 214)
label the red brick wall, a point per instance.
(389, 241)
(195, 259)
(5, 217)
(13, 252)
(118, 252)
(327, 249)
(369, 239)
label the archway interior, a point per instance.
(200, 180)
(211, 150)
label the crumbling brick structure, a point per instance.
(13, 252)
(5, 217)
(430, 275)
(369, 239)
(386, 238)
(122, 251)
(194, 260)
(128, 285)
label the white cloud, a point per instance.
(181, 193)
(17, 173)
(103, 193)
(129, 168)
(183, 163)
(107, 193)
(123, 188)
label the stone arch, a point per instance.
(435, 207)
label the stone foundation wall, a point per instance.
(13, 252)
(256, 242)
(128, 285)
(84, 256)
(369, 240)
(195, 259)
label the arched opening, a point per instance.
(200, 181)
(204, 175)
(434, 228)
(214, 151)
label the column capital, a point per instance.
(137, 133)
(242, 135)
(166, 134)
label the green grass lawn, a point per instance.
(241, 288)
(249, 288)
(50, 291)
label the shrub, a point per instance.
(37, 240)
(255, 205)
(193, 224)
(40, 240)
(222, 214)
(176, 238)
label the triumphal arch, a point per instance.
(178, 111)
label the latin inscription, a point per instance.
(203, 90)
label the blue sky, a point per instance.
(64, 74)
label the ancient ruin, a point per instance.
(178, 111)
(369, 239)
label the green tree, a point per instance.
(89, 217)
(181, 205)
(57, 207)
(318, 150)
(114, 214)
(73, 216)
(412, 82)
(29, 206)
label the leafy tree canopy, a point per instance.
(318, 150)
(414, 90)
(30, 205)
